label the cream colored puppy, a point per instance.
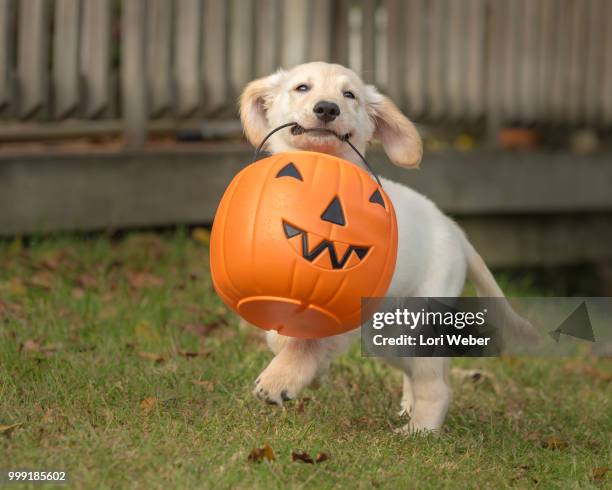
(433, 256)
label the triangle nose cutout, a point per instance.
(334, 213)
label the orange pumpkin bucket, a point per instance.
(298, 239)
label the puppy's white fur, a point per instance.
(433, 254)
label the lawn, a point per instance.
(119, 365)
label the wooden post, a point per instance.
(133, 72)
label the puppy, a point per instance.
(433, 257)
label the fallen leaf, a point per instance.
(35, 346)
(321, 457)
(202, 330)
(42, 280)
(300, 406)
(7, 429)
(142, 280)
(78, 293)
(16, 287)
(205, 384)
(147, 404)
(301, 457)
(31, 345)
(48, 417)
(51, 263)
(261, 453)
(150, 356)
(599, 473)
(87, 281)
(145, 332)
(191, 354)
(201, 235)
(555, 443)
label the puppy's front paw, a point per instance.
(412, 428)
(283, 380)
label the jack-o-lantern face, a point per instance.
(298, 240)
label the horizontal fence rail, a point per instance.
(543, 62)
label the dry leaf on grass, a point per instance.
(16, 287)
(321, 457)
(141, 280)
(202, 330)
(599, 473)
(301, 404)
(301, 457)
(260, 453)
(555, 443)
(147, 404)
(585, 369)
(205, 384)
(87, 281)
(150, 356)
(145, 332)
(35, 346)
(201, 235)
(42, 280)
(191, 354)
(6, 430)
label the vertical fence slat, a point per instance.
(475, 58)
(187, 56)
(414, 59)
(214, 52)
(559, 82)
(595, 51)
(576, 58)
(395, 51)
(32, 55)
(266, 37)
(368, 40)
(66, 57)
(5, 50)
(606, 85)
(527, 61)
(241, 44)
(510, 68)
(96, 55)
(159, 55)
(133, 79)
(294, 24)
(435, 58)
(455, 65)
(319, 43)
(381, 56)
(494, 59)
(546, 39)
(340, 31)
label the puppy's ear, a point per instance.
(254, 102)
(398, 135)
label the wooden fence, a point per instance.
(102, 65)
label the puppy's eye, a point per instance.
(302, 88)
(349, 95)
(377, 198)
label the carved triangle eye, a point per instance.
(377, 198)
(290, 170)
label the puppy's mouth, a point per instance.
(298, 130)
(322, 252)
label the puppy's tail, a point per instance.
(483, 281)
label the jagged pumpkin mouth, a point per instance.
(322, 252)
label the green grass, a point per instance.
(90, 327)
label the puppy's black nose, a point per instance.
(326, 111)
